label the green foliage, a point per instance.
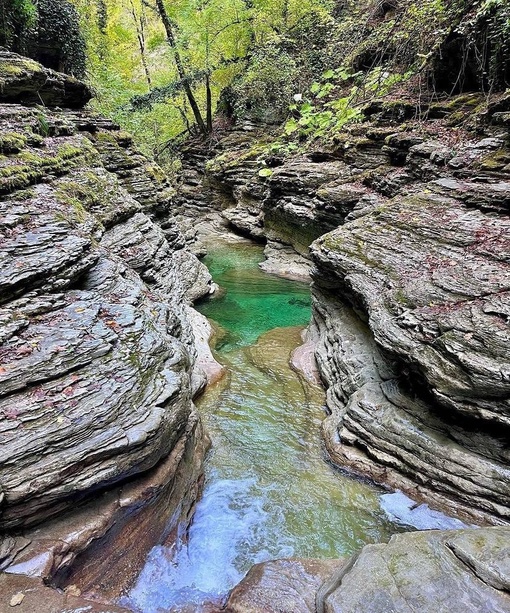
(283, 65)
(487, 35)
(47, 31)
(17, 19)
(59, 43)
(264, 91)
(133, 70)
(323, 120)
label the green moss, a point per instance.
(106, 137)
(458, 102)
(231, 159)
(17, 67)
(402, 299)
(496, 160)
(30, 166)
(87, 196)
(75, 213)
(12, 142)
(9, 69)
(25, 194)
(155, 172)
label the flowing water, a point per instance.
(269, 491)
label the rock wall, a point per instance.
(412, 308)
(408, 221)
(97, 376)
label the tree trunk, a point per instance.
(140, 34)
(209, 103)
(170, 37)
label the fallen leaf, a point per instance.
(73, 590)
(17, 599)
(11, 414)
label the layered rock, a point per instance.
(412, 307)
(410, 223)
(455, 571)
(97, 369)
(27, 82)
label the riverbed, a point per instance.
(269, 490)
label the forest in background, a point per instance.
(162, 68)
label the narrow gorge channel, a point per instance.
(269, 491)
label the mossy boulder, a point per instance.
(25, 81)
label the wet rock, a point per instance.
(282, 260)
(70, 374)
(435, 298)
(420, 571)
(281, 586)
(453, 570)
(203, 334)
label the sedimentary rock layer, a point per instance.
(412, 304)
(97, 374)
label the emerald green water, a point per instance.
(251, 302)
(269, 491)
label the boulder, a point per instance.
(27, 82)
(455, 570)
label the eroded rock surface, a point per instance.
(422, 571)
(97, 359)
(412, 305)
(281, 586)
(456, 571)
(411, 284)
(26, 81)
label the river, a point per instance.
(269, 490)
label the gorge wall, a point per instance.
(99, 434)
(407, 218)
(404, 229)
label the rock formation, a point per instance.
(455, 571)
(98, 429)
(409, 231)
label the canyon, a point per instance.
(403, 229)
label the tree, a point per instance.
(170, 29)
(163, 64)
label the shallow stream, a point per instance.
(269, 491)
